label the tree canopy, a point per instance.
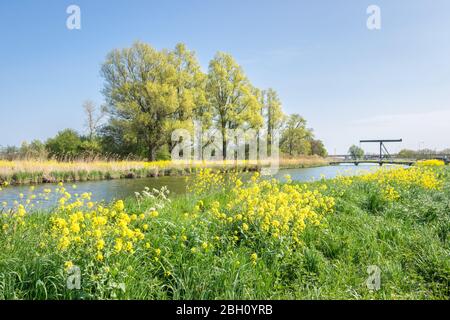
(65, 144)
(356, 152)
(296, 136)
(233, 100)
(149, 93)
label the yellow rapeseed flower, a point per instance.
(68, 265)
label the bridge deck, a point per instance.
(357, 162)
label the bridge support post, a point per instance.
(381, 151)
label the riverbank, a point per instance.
(230, 239)
(36, 172)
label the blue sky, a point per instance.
(350, 83)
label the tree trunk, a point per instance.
(224, 142)
(224, 147)
(152, 153)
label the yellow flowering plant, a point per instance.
(264, 207)
(430, 163)
(229, 225)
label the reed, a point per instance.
(35, 171)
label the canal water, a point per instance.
(108, 190)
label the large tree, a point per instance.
(356, 152)
(233, 100)
(272, 113)
(150, 92)
(296, 136)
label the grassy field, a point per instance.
(230, 239)
(32, 172)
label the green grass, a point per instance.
(408, 240)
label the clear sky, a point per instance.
(350, 83)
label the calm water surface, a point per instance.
(118, 189)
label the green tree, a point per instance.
(272, 113)
(407, 154)
(296, 137)
(115, 144)
(65, 144)
(90, 147)
(148, 91)
(356, 152)
(232, 99)
(317, 148)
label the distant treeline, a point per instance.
(149, 93)
(357, 153)
(423, 153)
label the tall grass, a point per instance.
(33, 171)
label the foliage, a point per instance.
(317, 148)
(90, 147)
(356, 152)
(148, 89)
(114, 142)
(422, 154)
(149, 93)
(233, 100)
(272, 113)
(296, 136)
(407, 154)
(65, 144)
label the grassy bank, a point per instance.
(33, 172)
(230, 239)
